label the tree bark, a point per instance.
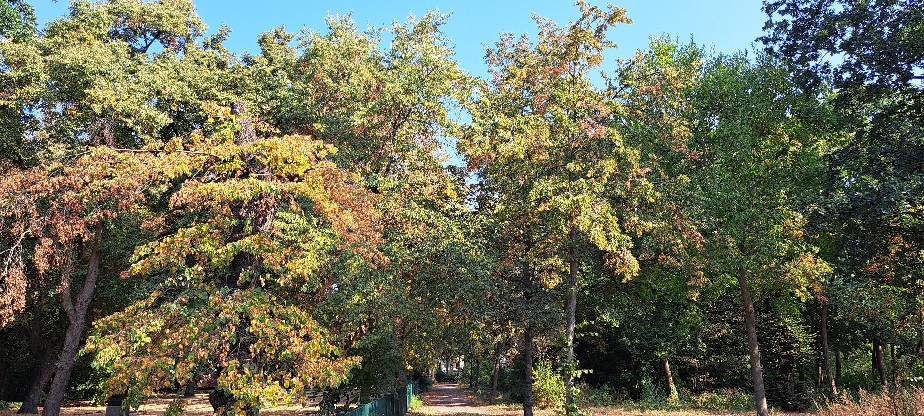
(826, 352)
(760, 395)
(837, 367)
(528, 371)
(496, 374)
(77, 318)
(878, 362)
(31, 402)
(671, 388)
(38, 347)
(894, 364)
(570, 365)
(920, 347)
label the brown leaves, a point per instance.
(58, 207)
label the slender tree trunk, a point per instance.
(528, 371)
(570, 365)
(77, 317)
(671, 389)
(760, 395)
(894, 364)
(496, 374)
(837, 367)
(878, 362)
(920, 347)
(826, 352)
(42, 376)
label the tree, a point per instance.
(563, 180)
(745, 150)
(387, 109)
(67, 208)
(262, 221)
(872, 199)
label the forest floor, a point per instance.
(452, 400)
(196, 406)
(441, 400)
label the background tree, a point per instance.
(744, 149)
(872, 199)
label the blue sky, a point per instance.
(726, 25)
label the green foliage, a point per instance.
(548, 386)
(416, 401)
(17, 20)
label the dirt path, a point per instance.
(451, 400)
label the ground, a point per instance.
(452, 400)
(441, 400)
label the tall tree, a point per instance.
(743, 143)
(387, 109)
(262, 223)
(873, 202)
(68, 208)
(563, 179)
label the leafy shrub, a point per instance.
(548, 386)
(724, 399)
(597, 396)
(416, 401)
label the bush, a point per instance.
(724, 399)
(416, 402)
(597, 396)
(548, 386)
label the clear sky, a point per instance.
(725, 25)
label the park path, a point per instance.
(448, 399)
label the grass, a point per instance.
(896, 401)
(5, 405)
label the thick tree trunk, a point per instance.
(760, 395)
(77, 318)
(38, 347)
(528, 371)
(42, 376)
(570, 365)
(826, 352)
(671, 388)
(878, 362)
(190, 389)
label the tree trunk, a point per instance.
(837, 367)
(570, 365)
(528, 372)
(497, 357)
(77, 318)
(190, 389)
(38, 347)
(878, 362)
(894, 364)
(671, 388)
(826, 352)
(31, 402)
(920, 346)
(760, 395)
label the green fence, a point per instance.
(395, 404)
